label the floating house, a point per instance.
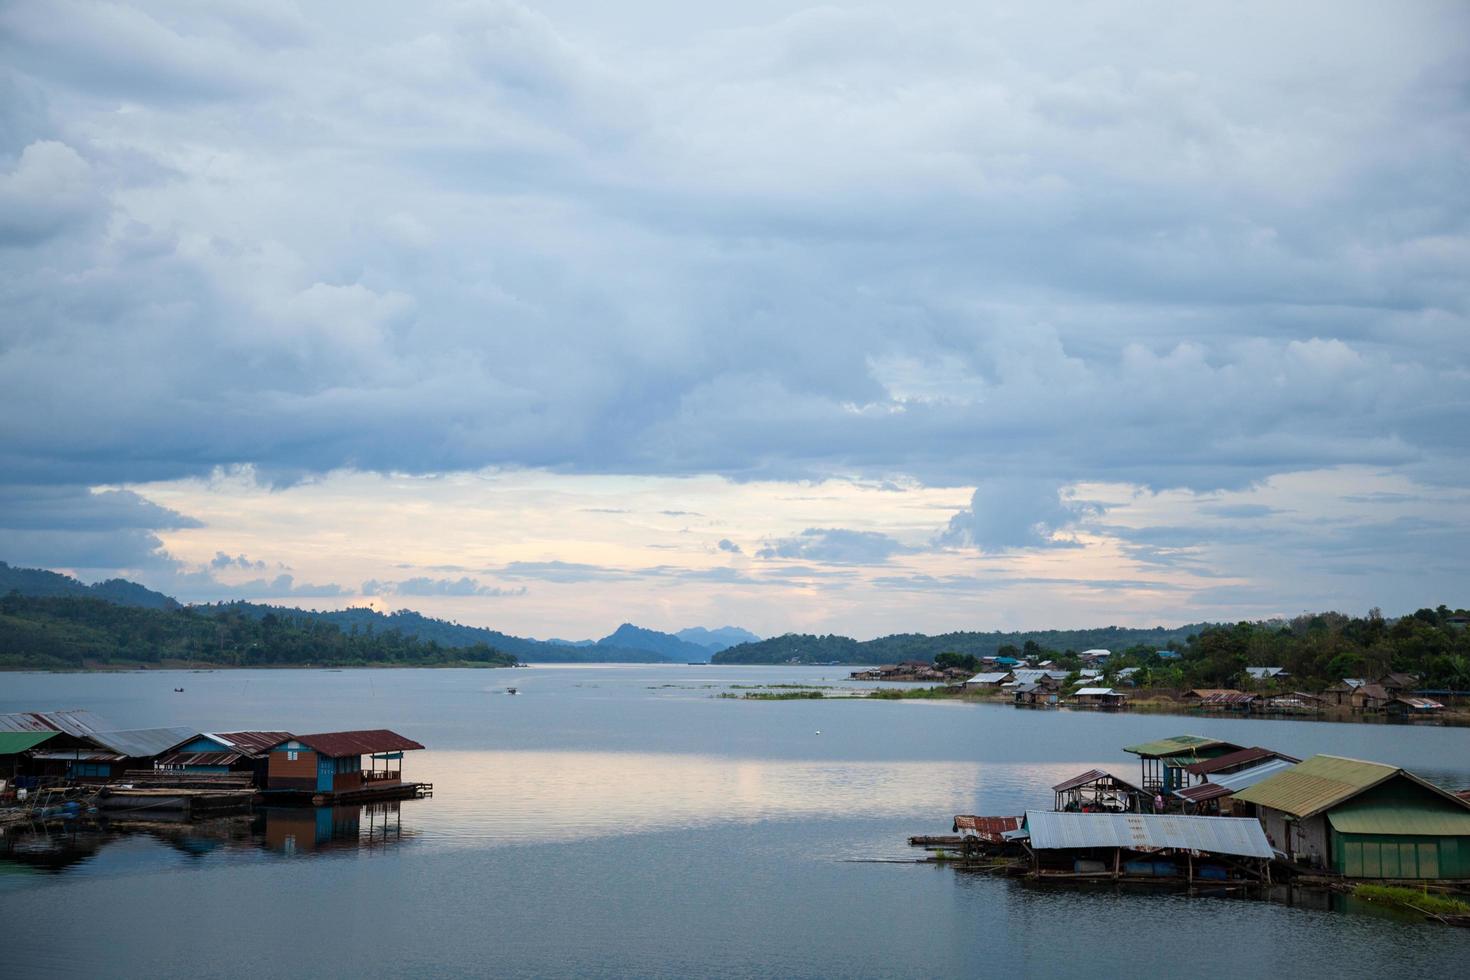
(1165, 762)
(1144, 846)
(1099, 791)
(1342, 692)
(989, 680)
(327, 766)
(1363, 820)
(1408, 705)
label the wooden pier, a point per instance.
(178, 803)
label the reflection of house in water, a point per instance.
(303, 830)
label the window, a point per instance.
(291, 756)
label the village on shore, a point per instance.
(1262, 690)
(1204, 811)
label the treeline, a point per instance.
(806, 648)
(70, 632)
(1321, 649)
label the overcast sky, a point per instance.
(856, 317)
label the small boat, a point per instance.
(178, 690)
(510, 690)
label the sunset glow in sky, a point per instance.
(861, 318)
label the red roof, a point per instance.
(1203, 792)
(1238, 758)
(363, 742)
(987, 828)
(253, 743)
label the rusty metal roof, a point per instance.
(1091, 776)
(1239, 758)
(252, 744)
(1227, 698)
(79, 755)
(74, 721)
(1240, 836)
(1420, 704)
(986, 828)
(363, 742)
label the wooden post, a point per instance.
(1117, 861)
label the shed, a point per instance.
(1217, 795)
(225, 752)
(1132, 845)
(1099, 697)
(1098, 791)
(989, 679)
(1364, 820)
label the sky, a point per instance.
(856, 318)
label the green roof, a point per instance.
(1325, 781)
(1395, 817)
(1172, 746)
(13, 742)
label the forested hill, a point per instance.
(450, 634)
(41, 583)
(806, 648)
(70, 631)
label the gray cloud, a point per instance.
(1005, 514)
(729, 546)
(921, 243)
(837, 546)
(423, 586)
(222, 560)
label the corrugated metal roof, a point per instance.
(252, 743)
(1091, 776)
(78, 755)
(1093, 691)
(986, 828)
(143, 742)
(1420, 704)
(1320, 782)
(1372, 817)
(1173, 745)
(1224, 785)
(993, 677)
(12, 743)
(1239, 758)
(362, 742)
(1227, 698)
(74, 721)
(1139, 831)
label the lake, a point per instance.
(622, 820)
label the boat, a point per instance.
(511, 690)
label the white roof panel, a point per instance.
(1239, 836)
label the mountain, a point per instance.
(40, 583)
(665, 645)
(719, 639)
(806, 648)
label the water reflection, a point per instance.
(99, 846)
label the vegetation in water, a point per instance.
(1420, 900)
(773, 695)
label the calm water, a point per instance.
(622, 821)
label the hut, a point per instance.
(327, 766)
(1399, 682)
(1405, 706)
(1099, 697)
(1228, 701)
(1369, 697)
(1099, 791)
(1144, 846)
(113, 755)
(1341, 693)
(990, 680)
(1034, 695)
(1363, 820)
(1165, 761)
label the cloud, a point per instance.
(729, 546)
(421, 586)
(1007, 514)
(222, 560)
(836, 546)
